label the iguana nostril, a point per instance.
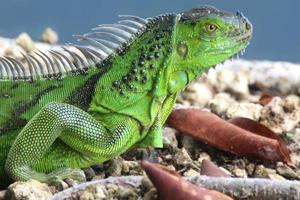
(248, 26)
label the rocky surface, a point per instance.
(30, 190)
(231, 90)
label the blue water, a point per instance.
(276, 22)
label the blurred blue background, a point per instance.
(276, 22)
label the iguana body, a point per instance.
(78, 107)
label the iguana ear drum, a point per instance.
(182, 50)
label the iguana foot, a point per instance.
(25, 173)
(63, 173)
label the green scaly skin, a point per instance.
(51, 128)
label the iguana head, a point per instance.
(206, 36)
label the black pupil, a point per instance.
(211, 27)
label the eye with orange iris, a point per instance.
(211, 28)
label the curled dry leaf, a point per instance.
(208, 168)
(265, 99)
(254, 141)
(171, 186)
(254, 127)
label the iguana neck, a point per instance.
(182, 67)
(138, 72)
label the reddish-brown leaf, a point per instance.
(260, 129)
(265, 99)
(170, 185)
(254, 127)
(208, 168)
(211, 129)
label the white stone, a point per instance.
(198, 94)
(24, 41)
(49, 36)
(30, 190)
(191, 172)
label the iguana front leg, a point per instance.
(154, 136)
(91, 141)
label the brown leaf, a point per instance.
(170, 185)
(254, 127)
(211, 129)
(265, 99)
(260, 129)
(208, 168)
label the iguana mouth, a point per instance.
(240, 40)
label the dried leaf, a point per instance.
(211, 129)
(170, 185)
(260, 129)
(265, 99)
(208, 168)
(254, 127)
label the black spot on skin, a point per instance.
(82, 96)
(144, 79)
(14, 86)
(143, 71)
(142, 63)
(159, 36)
(143, 55)
(152, 48)
(157, 54)
(152, 66)
(130, 76)
(142, 59)
(151, 57)
(130, 86)
(116, 84)
(134, 70)
(125, 79)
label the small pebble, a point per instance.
(240, 172)
(24, 41)
(191, 172)
(182, 158)
(29, 190)
(49, 36)
(285, 171)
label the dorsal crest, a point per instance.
(105, 41)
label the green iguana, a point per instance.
(65, 109)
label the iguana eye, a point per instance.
(210, 28)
